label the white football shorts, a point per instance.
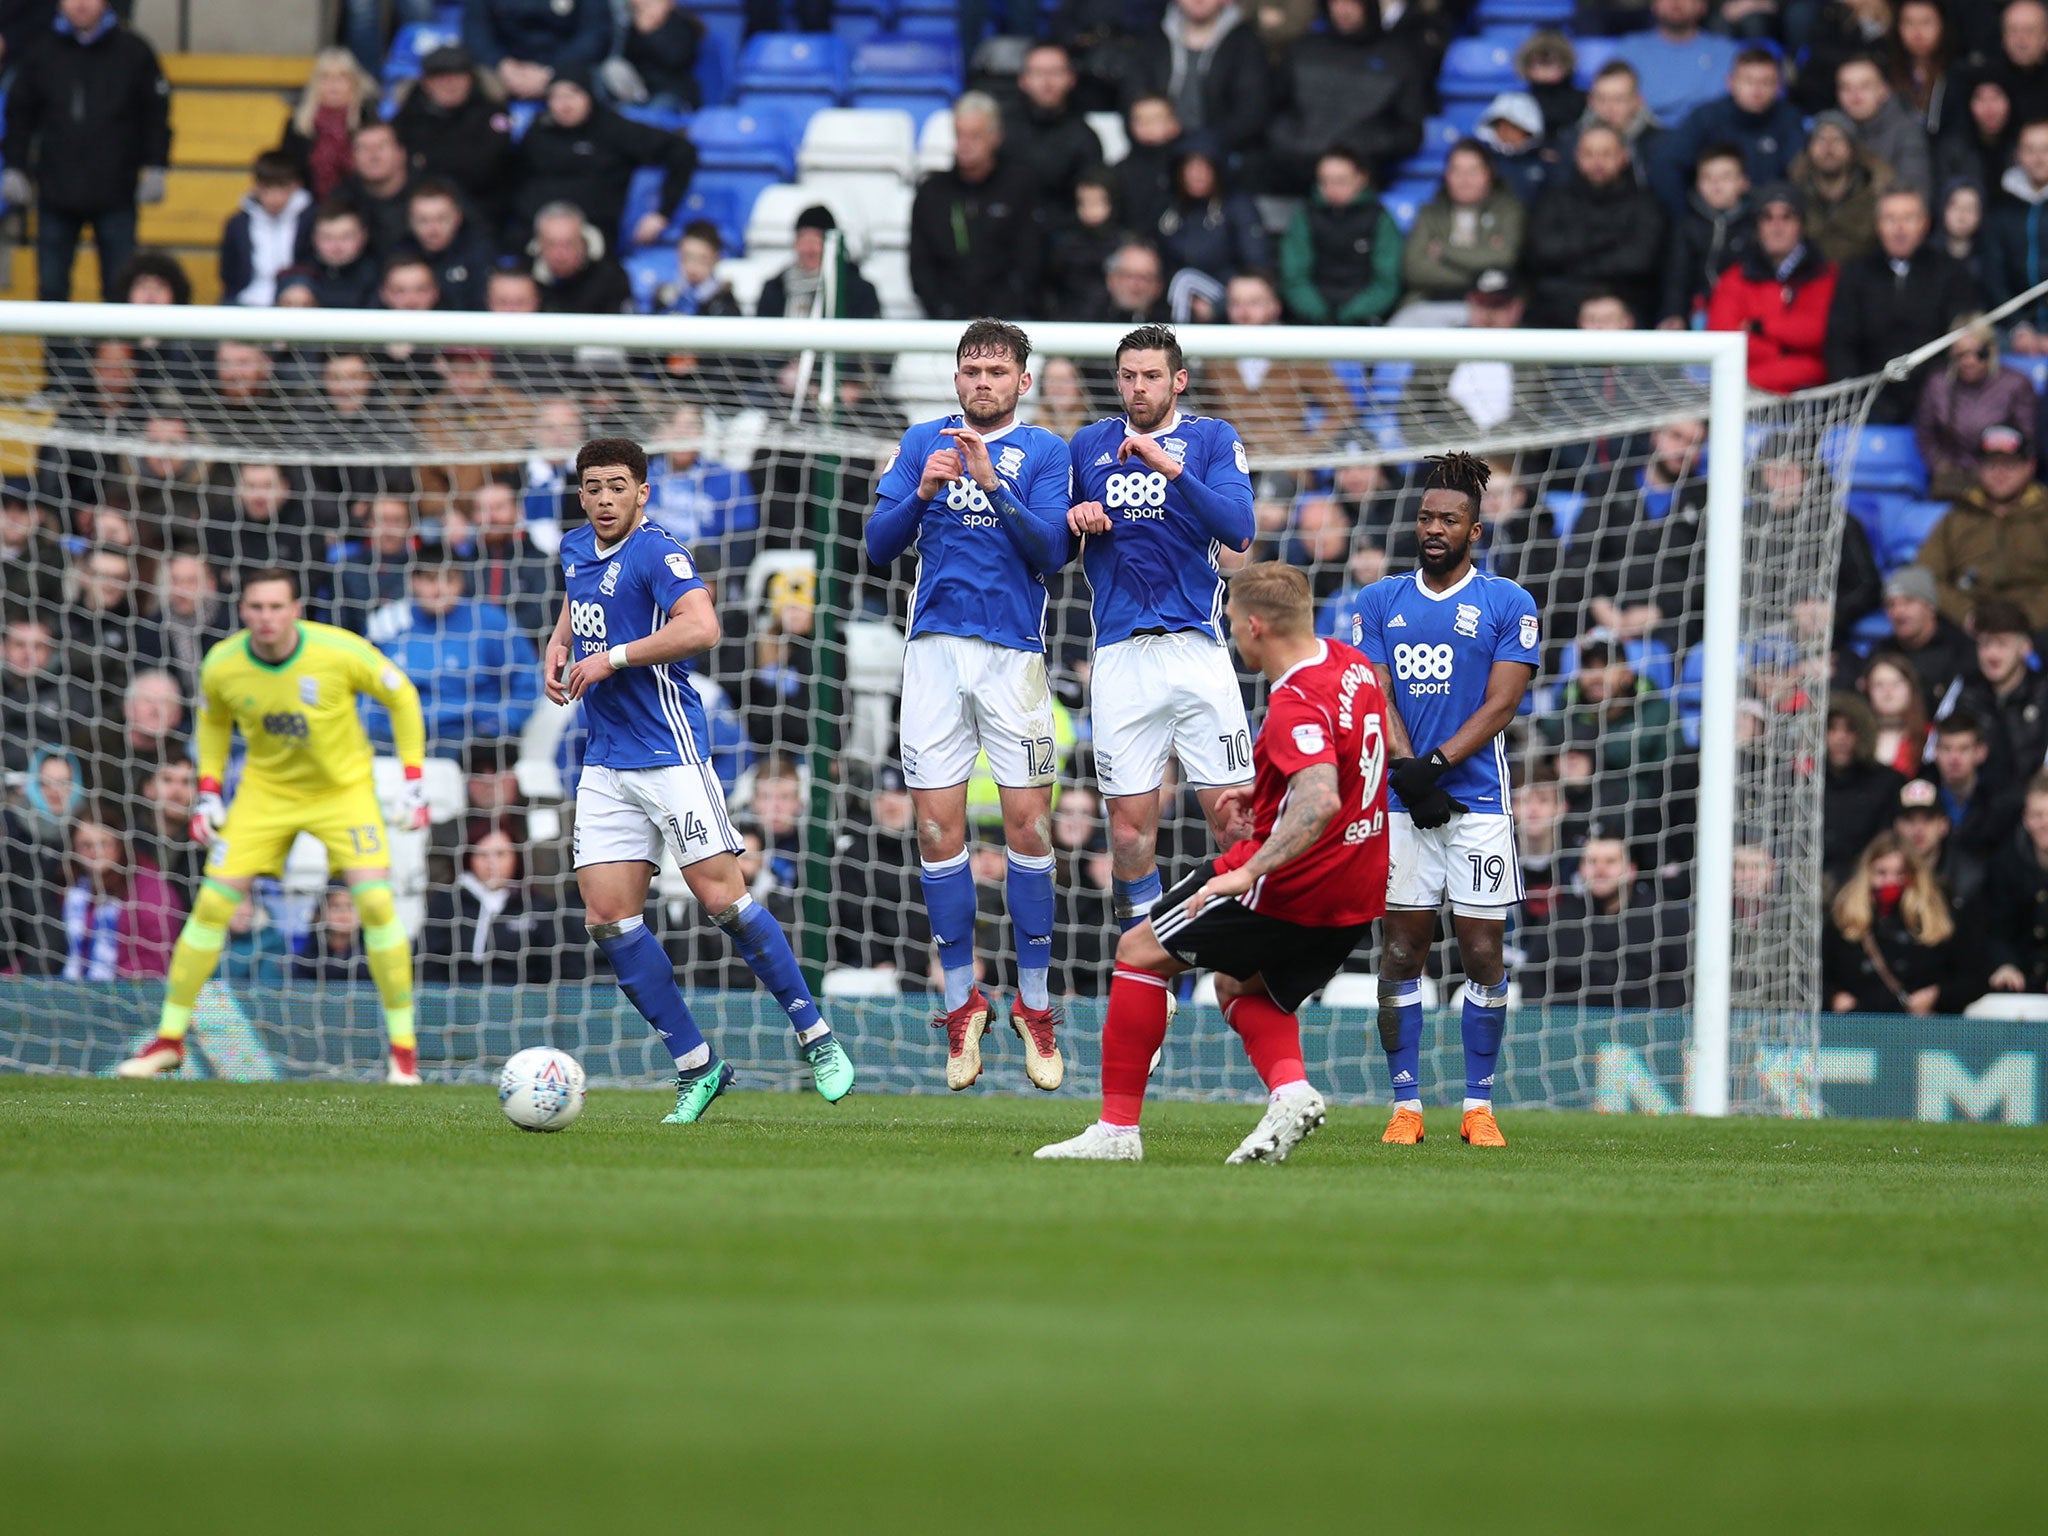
(962, 697)
(1176, 694)
(623, 815)
(1470, 860)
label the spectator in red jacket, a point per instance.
(1780, 294)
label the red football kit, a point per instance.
(1327, 709)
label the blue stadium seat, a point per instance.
(1405, 198)
(810, 63)
(919, 105)
(726, 198)
(1492, 14)
(1389, 382)
(855, 21)
(932, 18)
(1592, 52)
(520, 114)
(1462, 115)
(1351, 374)
(1439, 134)
(718, 56)
(736, 139)
(649, 270)
(643, 196)
(795, 108)
(1888, 459)
(1478, 69)
(1906, 529)
(2035, 368)
(415, 40)
(1871, 631)
(668, 119)
(906, 64)
(1868, 508)
(449, 16)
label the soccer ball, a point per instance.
(541, 1089)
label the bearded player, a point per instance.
(982, 498)
(291, 687)
(634, 611)
(1166, 497)
(1278, 914)
(1455, 650)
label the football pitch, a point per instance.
(324, 1307)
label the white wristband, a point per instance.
(617, 657)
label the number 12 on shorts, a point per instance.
(1038, 754)
(1491, 868)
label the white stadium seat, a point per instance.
(2017, 1007)
(935, 143)
(772, 224)
(888, 215)
(1109, 128)
(889, 271)
(922, 383)
(860, 139)
(748, 275)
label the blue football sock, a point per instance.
(1134, 899)
(1485, 1021)
(1028, 891)
(949, 900)
(649, 982)
(765, 947)
(1404, 1051)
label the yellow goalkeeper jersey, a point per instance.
(299, 715)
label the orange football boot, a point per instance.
(1404, 1130)
(1480, 1129)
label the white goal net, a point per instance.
(1668, 808)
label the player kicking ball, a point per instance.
(1454, 649)
(635, 611)
(982, 498)
(291, 688)
(1279, 913)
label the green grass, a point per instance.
(316, 1307)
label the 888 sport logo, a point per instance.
(1140, 494)
(1425, 668)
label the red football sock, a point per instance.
(1133, 1030)
(1271, 1038)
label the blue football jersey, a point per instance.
(1438, 648)
(1158, 567)
(643, 717)
(977, 576)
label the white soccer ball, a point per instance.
(541, 1089)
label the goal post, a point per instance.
(1689, 373)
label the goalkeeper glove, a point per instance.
(412, 803)
(1414, 777)
(209, 812)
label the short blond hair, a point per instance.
(1278, 593)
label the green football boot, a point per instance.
(831, 1066)
(694, 1094)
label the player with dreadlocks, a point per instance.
(1455, 650)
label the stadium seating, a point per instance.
(935, 143)
(771, 226)
(1592, 53)
(1439, 135)
(1907, 523)
(794, 64)
(1478, 69)
(1493, 14)
(1404, 199)
(726, 198)
(413, 43)
(921, 106)
(744, 139)
(905, 64)
(1887, 459)
(649, 270)
(2035, 368)
(849, 141)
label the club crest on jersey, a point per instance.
(1176, 450)
(1010, 460)
(309, 690)
(609, 586)
(1467, 622)
(1529, 635)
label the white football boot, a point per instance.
(1098, 1144)
(1293, 1116)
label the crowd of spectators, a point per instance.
(1841, 182)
